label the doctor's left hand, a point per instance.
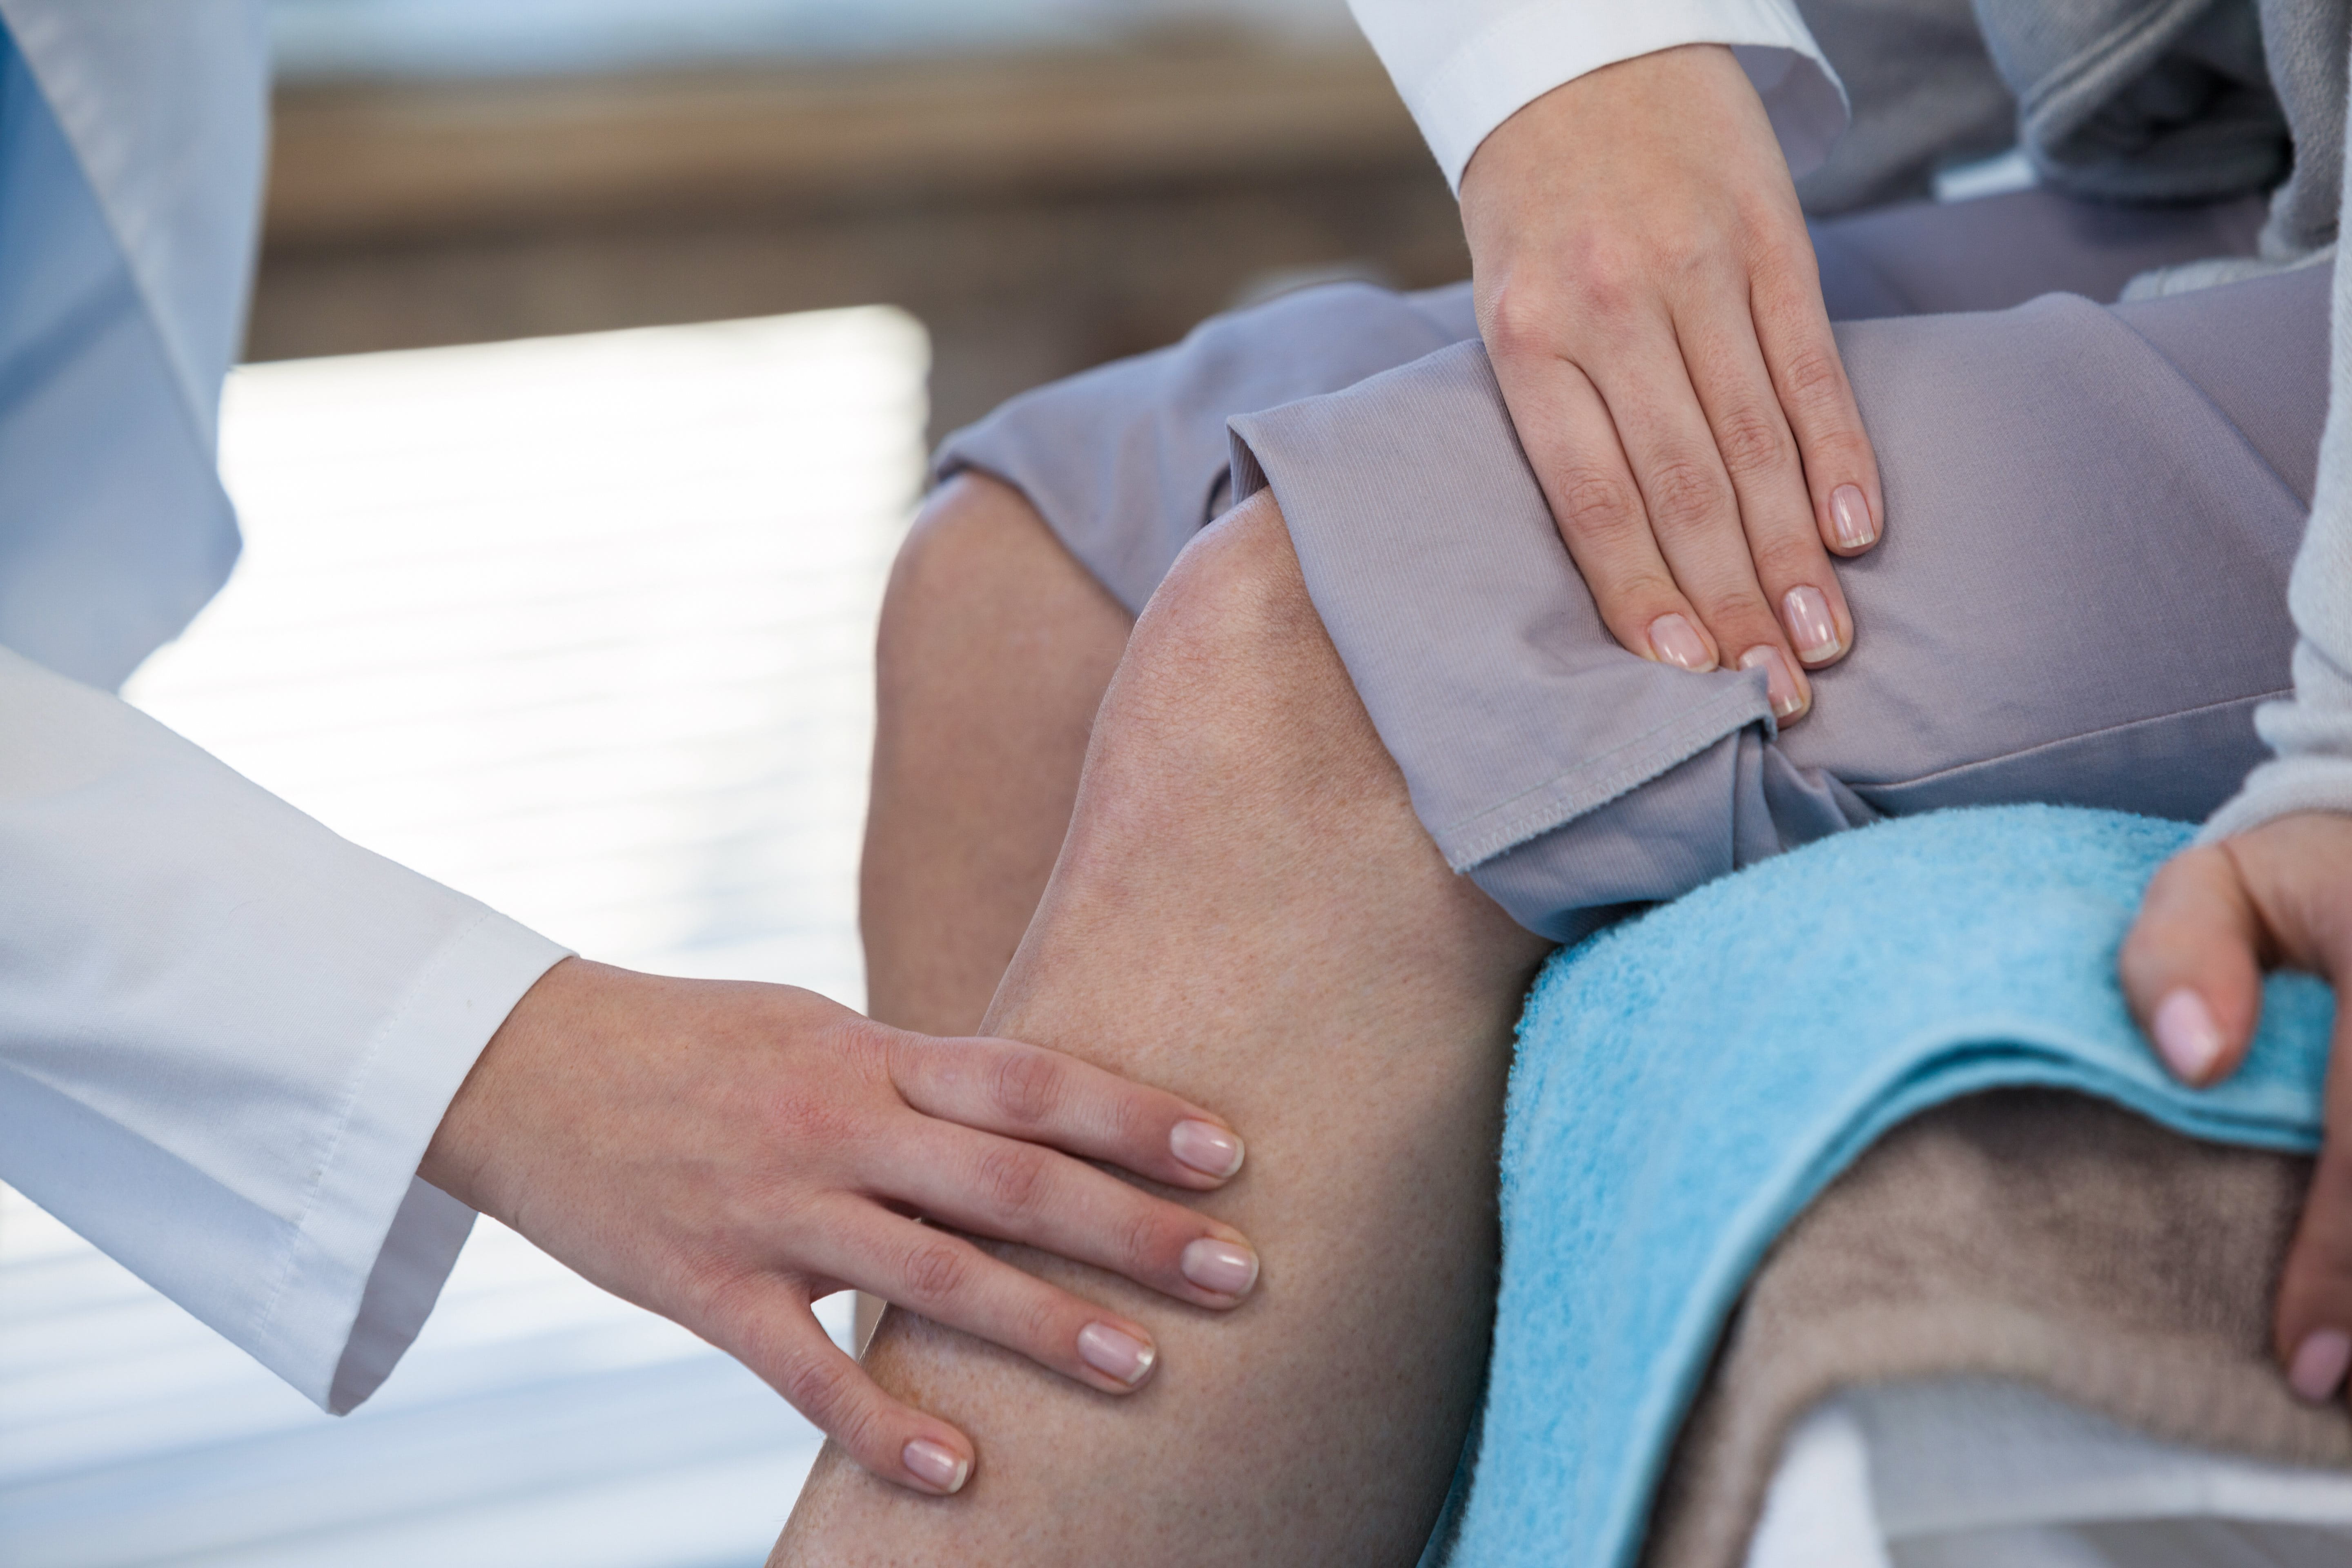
(725, 1154)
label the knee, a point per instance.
(966, 527)
(1234, 602)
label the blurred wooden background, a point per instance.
(1038, 212)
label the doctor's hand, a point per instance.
(725, 1154)
(1649, 299)
(2213, 919)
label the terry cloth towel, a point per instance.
(1689, 1082)
(2029, 1237)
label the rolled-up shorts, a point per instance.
(2080, 596)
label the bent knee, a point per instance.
(965, 526)
(1234, 592)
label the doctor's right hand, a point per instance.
(1651, 304)
(725, 1154)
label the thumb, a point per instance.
(2191, 966)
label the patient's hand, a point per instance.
(726, 1153)
(1648, 294)
(2214, 918)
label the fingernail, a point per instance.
(1678, 642)
(2319, 1365)
(1206, 1147)
(1219, 1266)
(1779, 686)
(1116, 1353)
(1811, 625)
(1850, 517)
(934, 1465)
(2186, 1036)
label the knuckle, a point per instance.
(1599, 506)
(1740, 622)
(1142, 1243)
(1041, 1324)
(1788, 561)
(1686, 496)
(935, 1272)
(1027, 1087)
(1751, 442)
(1812, 379)
(1011, 1178)
(818, 1388)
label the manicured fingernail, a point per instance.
(2186, 1036)
(1811, 627)
(1206, 1147)
(1219, 1266)
(934, 1465)
(1779, 686)
(2319, 1365)
(1677, 641)
(1116, 1353)
(1850, 517)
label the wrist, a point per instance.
(463, 1157)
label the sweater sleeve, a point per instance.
(226, 1036)
(1463, 67)
(2311, 729)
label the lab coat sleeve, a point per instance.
(226, 1036)
(1463, 67)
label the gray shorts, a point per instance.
(2091, 511)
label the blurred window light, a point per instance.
(581, 627)
(332, 38)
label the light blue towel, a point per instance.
(1687, 1082)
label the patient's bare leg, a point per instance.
(994, 650)
(1248, 911)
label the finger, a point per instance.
(1809, 375)
(1597, 508)
(765, 1323)
(1692, 508)
(1029, 1092)
(1026, 1193)
(949, 1280)
(1743, 410)
(2191, 966)
(2313, 1325)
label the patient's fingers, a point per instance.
(2314, 1324)
(951, 1282)
(1045, 1097)
(765, 1323)
(2191, 966)
(1022, 1192)
(2212, 918)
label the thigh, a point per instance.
(2080, 597)
(1129, 461)
(1931, 258)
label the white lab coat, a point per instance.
(1463, 67)
(225, 1035)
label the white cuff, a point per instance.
(1460, 83)
(370, 1253)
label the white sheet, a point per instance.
(1975, 1473)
